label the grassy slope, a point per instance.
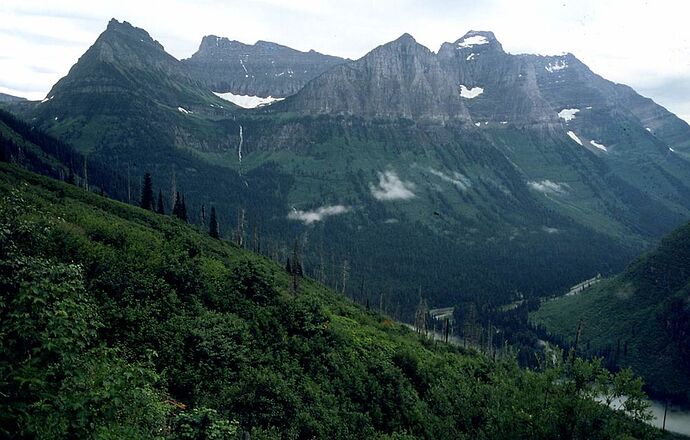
(223, 330)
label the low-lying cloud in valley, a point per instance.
(457, 179)
(548, 187)
(390, 187)
(318, 214)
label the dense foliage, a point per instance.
(24, 144)
(640, 318)
(118, 322)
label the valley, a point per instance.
(303, 208)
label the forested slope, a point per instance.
(640, 318)
(118, 322)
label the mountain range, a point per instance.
(262, 69)
(506, 175)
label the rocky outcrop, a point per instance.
(262, 69)
(399, 79)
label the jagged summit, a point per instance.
(405, 38)
(124, 29)
(261, 69)
(401, 78)
(125, 68)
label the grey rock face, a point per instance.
(474, 80)
(263, 69)
(399, 79)
(509, 88)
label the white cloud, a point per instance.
(390, 187)
(457, 179)
(548, 187)
(317, 215)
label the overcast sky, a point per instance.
(645, 44)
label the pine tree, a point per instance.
(177, 207)
(202, 215)
(147, 193)
(213, 224)
(288, 266)
(183, 210)
(71, 178)
(297, 272)
(159, 208)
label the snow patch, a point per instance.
(478, 124)
(588, 108)
(47, 99)
(555, 67)
(547, 186)
(318, 214)
(598, 145)
(475, 40)
(470, 56)
(568, 114)
(470, 93)
(648, 129)
(457, 179)
(574, 137)
(549, 230)
(671, 150)
(247, 101)
(390, 221)
(390, 187)
(504, 122)
(183, 110)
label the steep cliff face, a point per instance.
(495, 86)
(262, 69)
(399, 79)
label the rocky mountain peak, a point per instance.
(124, 30)
(261, 69)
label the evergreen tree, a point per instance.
(213, 224)
(183, 210)
(159, 208)
(147, 193)
(297, 272)
(288, 266)
(177, 207)
(71, 178)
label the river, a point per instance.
(677, 418)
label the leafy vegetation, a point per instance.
(640, 318)
(118, 322)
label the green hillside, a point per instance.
(640, 318)
(120, 323)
